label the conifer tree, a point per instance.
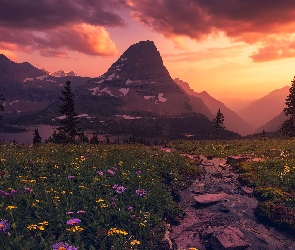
(2, 108)
(69, 126)
(37, 138)
(217, 125)
(288, 126)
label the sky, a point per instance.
(230, 48)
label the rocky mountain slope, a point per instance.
(231, 120)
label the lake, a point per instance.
(45, 132)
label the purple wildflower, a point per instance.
(100, 173)
(138, 172)
(4, 194)
(73, 222)
(110, 171)
(63, 246)
(70, 212)
(130, 208)
(13, 191)
(140, 192)
(120, 189)
(133, 216)
(113, 204)
(4, 226)
(28, 190)
(81, 212)
(115, 186)
(115, 168)
(71, 177)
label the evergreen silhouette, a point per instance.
(2, 108)
(69, 128)
(37, 138)
(217, 125)
(288, 126)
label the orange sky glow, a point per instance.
(234, 48)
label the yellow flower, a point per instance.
(142, 224)
(100, 200)
(75, 229)
(43, 177)
(114, 230)
(11, 207)
(32, 226)
(44, 223)
(82, 187)
(137, 242)
(41, 228)
(193, 248)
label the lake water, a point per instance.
(45, 132)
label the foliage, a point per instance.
(217, 125)
(37, 138)
(70, 122)
(2, 108)
(288, 126)
(89, 196)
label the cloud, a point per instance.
(248, 21)
(54, 27)
(84, 38)
(274, 49)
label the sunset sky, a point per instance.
(229, 48)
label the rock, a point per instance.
(207, 199)
(247, 190)
(229, 238)
(236, 159)
(223, 208)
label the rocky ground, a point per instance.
(219, 214)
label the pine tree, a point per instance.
(2, 108)
(288, 126)
(217, 125)
(69, 126)
(37, 138)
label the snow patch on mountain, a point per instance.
(41, 77)
(148, 97)
(161, 98)
(28, 79)
(124, 91)
(129, 81)
(111, 77)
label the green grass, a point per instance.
(273, 179)
(109, 219)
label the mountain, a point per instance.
(231, 120)
(27, 89)
(235, 104)
(136, 95)
(274, 124)
(137, 82)
(266, 108)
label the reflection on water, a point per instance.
(45, 132)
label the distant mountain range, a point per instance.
(135, 95)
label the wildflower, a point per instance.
(69, 212)
(115, 168)
(10, 207)
(4, 226)
(99, 200)
(142, 224)
(70, 177)
(140, 192)
(100, 173)
(32, 226)
(130, 208)
(44, 223)
(4, 194)
(110, 171)
(114, 230)
(138, 172)
(120, 189)
(81, 212)
(13, 191)
(75, 229)
(135, 242)
(73, 222)
(63, 246)
(113, 204)
(27, 190)
(193, 248)
(133, 216)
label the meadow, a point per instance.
(270, 171)
(124, 196)
(89, 196)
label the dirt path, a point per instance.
(220, 215)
